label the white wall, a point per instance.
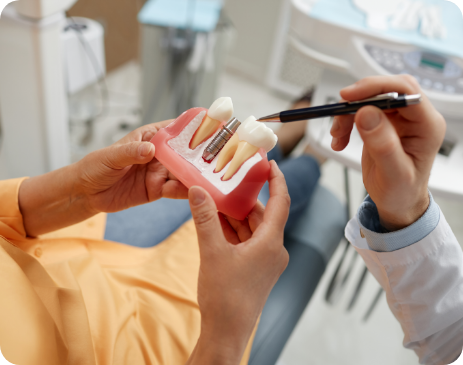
(256, 22)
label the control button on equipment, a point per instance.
(412, 59)
(438, 86)
(378, 58)
(450, 89)
(452, 70)
(426, 83)
(389, 62)
(375, 51)
(398, 65)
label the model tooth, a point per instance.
(252, 136)
(243, 153)
(204, 132)
(227, 153)
(220, 111)
(257, 134)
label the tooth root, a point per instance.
(227, 153)
(243, 153)
(205, 131)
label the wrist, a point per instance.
(81, 191)
(220, 348)
(405, 215)
(52, 201)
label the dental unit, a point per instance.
(229, 160)
(348, 47)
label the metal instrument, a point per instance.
(227, 132)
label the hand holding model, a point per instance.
(240, 260)
(112, 179)
(399, 148)
(240, 263)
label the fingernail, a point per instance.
(276, 165)
(370, 121)
(197, 196)
(145, 149)
(350, 87)
(334, 142)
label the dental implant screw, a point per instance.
(227, 132)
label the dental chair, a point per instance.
(325, 218)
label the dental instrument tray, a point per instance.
(236, 174)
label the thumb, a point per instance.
(133, 153)
(204, 211)
(380, 139)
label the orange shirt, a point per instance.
(70, 297)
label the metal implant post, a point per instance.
(221, 139)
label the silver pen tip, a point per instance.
(270, 118)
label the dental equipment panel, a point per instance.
(343, 38)
(383, 101)
(234, 172)
(433, 71)
(342, 41)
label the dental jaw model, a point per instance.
(235, 177)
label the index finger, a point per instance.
(152, 129)
(402, 84)
(145, 133)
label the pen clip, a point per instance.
(387, 96)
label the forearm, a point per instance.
(424, 288)
(421, 270)
(52, 201)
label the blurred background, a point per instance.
(76, 76)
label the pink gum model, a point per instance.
(236, 204)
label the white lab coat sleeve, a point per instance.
(424, 290)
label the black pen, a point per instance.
(383, 101)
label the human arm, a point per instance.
(115, 178)
(399, 148)
(408, 247)
(240, 264)
(423, 283)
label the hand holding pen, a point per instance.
(399, 148)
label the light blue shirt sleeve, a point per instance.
(381, 240)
